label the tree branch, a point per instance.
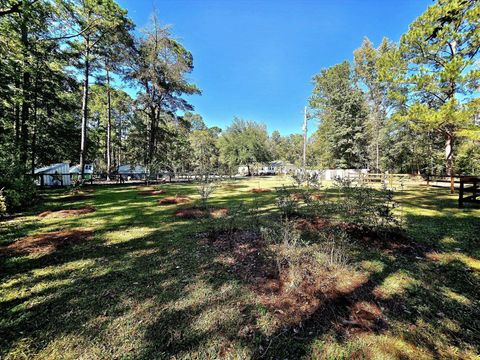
(15, 8)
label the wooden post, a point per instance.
(460, 194)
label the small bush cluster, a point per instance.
(365, 206)
(285, 202)
(310, 180)
(18, 190)
(334, 247)
(205, 188)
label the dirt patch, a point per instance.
(46, 243)
(84, 191)
(297, 196)
(392, 241)
(66, 212)
(289, 303)
(78, 195)
(311, 225)
(179, 199)
(151, 192)
(364, 316)
(232, 186)
(260, 190)
(197, 213)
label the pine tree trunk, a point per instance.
(449, 160)
(24, 119)
(34, 130)
(83, 142)
(109, 126)
(151, 140)
(17, 115)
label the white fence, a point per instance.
(332, 174)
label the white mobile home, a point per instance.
(132, 171)
(53, 175)
(88, 170)
(277, 167)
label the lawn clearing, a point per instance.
(145, 283)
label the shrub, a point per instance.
(287, 205)
(365, 206)
(334, 247)
(286, 241)
(206, 188)
(19, 190)
(310, 180)
(358, 204)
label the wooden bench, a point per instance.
(474, 189)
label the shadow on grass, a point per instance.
(171, 297)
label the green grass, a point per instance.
(144, 286)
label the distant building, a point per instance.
(269, 168)
(132, 171)
(277, 167)
(88, 170)
(53, 175)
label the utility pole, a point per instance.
(304, 139)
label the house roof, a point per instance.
(279, 163)
(76, 169)
(131, 169)
(50, 168)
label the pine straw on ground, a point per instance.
(151, 192)
(178, 199)
(78, 195)
(232, 186)
(66, 212)
(339, 297)
(330, 296)
(260, 190)
(198, 213)
(46, 243)
(392, 241)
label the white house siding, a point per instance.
(61, 168)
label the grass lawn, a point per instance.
(136, 281)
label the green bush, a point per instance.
(287, 205)
(19, 190)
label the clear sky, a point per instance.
(255, 59)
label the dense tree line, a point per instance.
(411, 106)
(78, 85)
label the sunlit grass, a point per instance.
(144, 286)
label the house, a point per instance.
(242, 170)
(87, 171)
(132, 171)
(53, 175)
(277, 167)
(270, 168)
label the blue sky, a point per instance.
(255, 59)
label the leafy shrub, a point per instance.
(358, 204)
(310, 180)
(19, 190)
(365, 206)
(205, 188)
(287, 205)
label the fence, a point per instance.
(474, 189)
